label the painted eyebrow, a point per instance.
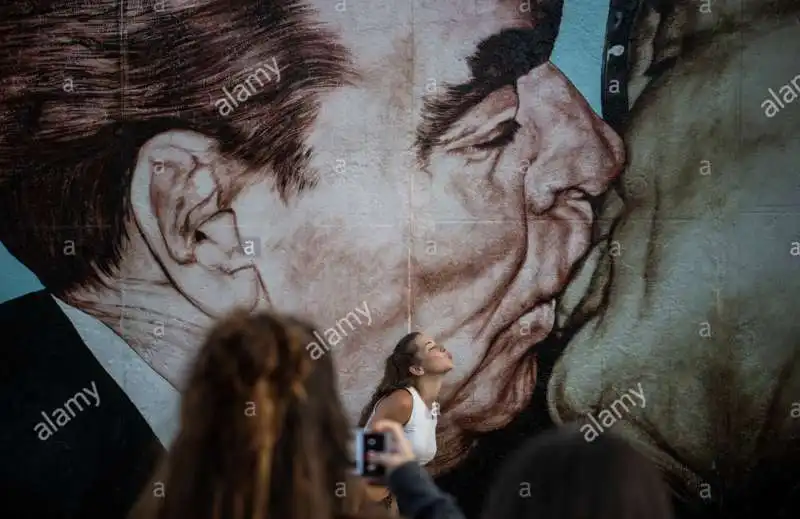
(498, 61)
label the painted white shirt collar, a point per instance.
(157, 401)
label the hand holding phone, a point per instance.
(401, 451)
(368, 442)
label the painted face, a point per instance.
(452, 185)
(471, 244)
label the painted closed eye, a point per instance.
(486, 128)
(481, 148)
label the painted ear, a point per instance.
(177, 194)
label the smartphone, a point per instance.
(365, 442)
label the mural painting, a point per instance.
(381, 167)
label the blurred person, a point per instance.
(560, 475)
(263, 434)
(408, 394)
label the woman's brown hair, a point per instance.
(396, 374)
(263, 432)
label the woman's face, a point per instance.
(434, 358)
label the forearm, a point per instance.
(417, 495)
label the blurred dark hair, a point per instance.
(263, 431)
(560, 475)
(396, 374)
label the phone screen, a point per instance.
(367, 442)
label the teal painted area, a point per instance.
(15, 279)
(579, 47)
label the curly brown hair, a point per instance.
(263, 431)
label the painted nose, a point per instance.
(574, 149)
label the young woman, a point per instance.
(264, 435)
(407, 394)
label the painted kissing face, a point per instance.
(472, 243)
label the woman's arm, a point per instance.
(395, 407)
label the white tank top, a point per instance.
(420, 428)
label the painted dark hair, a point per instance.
(73, 123)
(560, 475)
(396, 374)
